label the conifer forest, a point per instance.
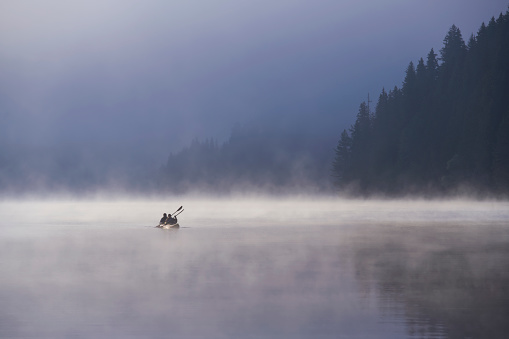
(446, 130)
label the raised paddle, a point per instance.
(174, 215)
(177, 210)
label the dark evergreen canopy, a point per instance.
(446, 129)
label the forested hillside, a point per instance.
(254, 158)
(446, 129)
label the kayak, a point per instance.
(170, 221)
(167, 227)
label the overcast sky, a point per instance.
(151, 75)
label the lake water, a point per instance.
(253, 268)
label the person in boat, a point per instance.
(163, 219)
(171, 220)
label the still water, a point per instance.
(252, 268)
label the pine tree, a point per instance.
(361, 129)
(361, 140)
(420, 71)
(454, 47)
(432, 66)
(409, 90)
(341, 163)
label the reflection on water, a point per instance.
(444, 279)
(246, 269)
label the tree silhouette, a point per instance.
(447, 127)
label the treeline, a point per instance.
(445, 129)
(254, 158)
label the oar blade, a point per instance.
(177, 210)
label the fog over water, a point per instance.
(96, 93)
(251, 268)
(101, 98)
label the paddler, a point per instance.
(170, 220)
(163, 219)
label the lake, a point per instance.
(254, 268)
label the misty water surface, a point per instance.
(246, 268)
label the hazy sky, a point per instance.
(149, 76)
